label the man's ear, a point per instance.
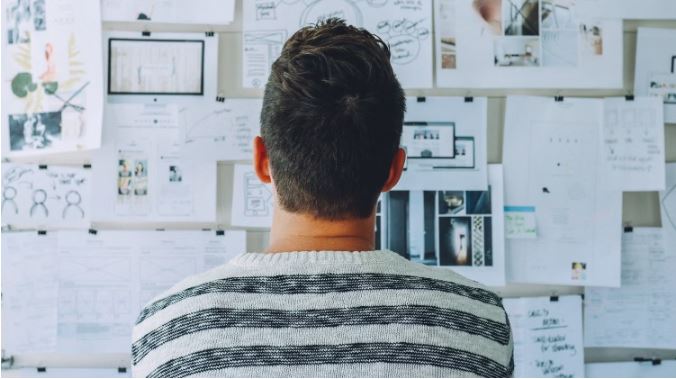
(261, 161)
(396, 168)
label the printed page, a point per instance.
(629, 9)
(525, 44)
(633, 145)
(640, 313)
(551, 161)
(29, 292)
(655, 73)
(454, 229)
(405, 25)
(252, 201)
(142, 173)
(445, 143)
(52, 92)
(220, 131)
(209, 12)
(665, 369)
(547, 336)
(36, 196)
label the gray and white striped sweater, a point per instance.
(324, 314)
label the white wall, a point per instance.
(639, 209)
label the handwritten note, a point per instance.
(640, 313)
(547, 336)
(633, 139)
(520, 222)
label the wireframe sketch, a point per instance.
(54, 195)
(405, 26)
(257, 197)
(261, 48)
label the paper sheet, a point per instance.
(52, 98)
(252, 201)
(547, 336)
(29, 292)
(668, 209)
(220, 131)
(525, 44)
(445, 141)
(405, 25)
(665, 369)
(46, 196)
(551, 161)
(141, 173)
(460, 230)
(66, 373)
(640, 313)
(157, 68)
(633, 145)
(655, 73)
(91, 287)
(629, 9)
(209, 12)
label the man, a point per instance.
(320, 302)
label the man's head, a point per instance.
(331, 123)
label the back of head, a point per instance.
(331, 121)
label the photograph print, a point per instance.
(34, 131)
(465, 228)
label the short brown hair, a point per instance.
(332, 117)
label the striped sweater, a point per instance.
(324, 314)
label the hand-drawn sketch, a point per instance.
(633, 139)
(220, 131)
(45, 196)
(53, 61)
(257, 197)
(404, 25)
(252, 201)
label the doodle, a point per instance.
(404, 25)
(73, 201)
(44, 196)
(39, 208)
(8, 195)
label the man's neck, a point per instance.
(299, 232)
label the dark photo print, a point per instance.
(455, 237)
(34, 131)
